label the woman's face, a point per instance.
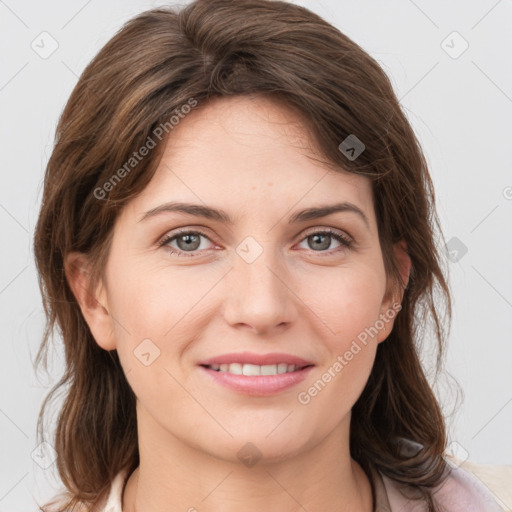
(268, 282)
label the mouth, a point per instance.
(252, 370)
(256, 374)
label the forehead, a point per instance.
(251, 153)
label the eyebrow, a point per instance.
(220, 215)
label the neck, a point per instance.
(173, 475)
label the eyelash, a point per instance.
(345, 241)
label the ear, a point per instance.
(93, 303)
(391, 304)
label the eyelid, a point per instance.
(173, 234)
(186, 229)
(347, 240)
(203, 230)
(327, 229)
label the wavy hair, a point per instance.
(154, 65)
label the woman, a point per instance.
(237, 243)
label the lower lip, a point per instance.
(258, 385)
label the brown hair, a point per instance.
(153, 66)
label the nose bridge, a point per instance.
(258, 295)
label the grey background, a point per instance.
(459, 105)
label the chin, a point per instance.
(257, 446)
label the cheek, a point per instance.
(149, 301)
(348, 306)
(157, 314)
(347, 300)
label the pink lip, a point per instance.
(258, 385)
(259, 359)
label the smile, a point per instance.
(251, 379)
(255, 369)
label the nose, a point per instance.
(259, 295)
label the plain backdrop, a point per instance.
(450, 65)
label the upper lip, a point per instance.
(259, 359)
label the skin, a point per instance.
(251, 157)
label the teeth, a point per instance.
(251, 369)
(282, 367)
(254, 369)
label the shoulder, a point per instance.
(113, 500)
(109, 501)
(497, 480)
(469, 487)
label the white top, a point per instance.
(462, 491)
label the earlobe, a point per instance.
(394, 297)
(93, 303)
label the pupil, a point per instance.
(325, 245)
(189, 241)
